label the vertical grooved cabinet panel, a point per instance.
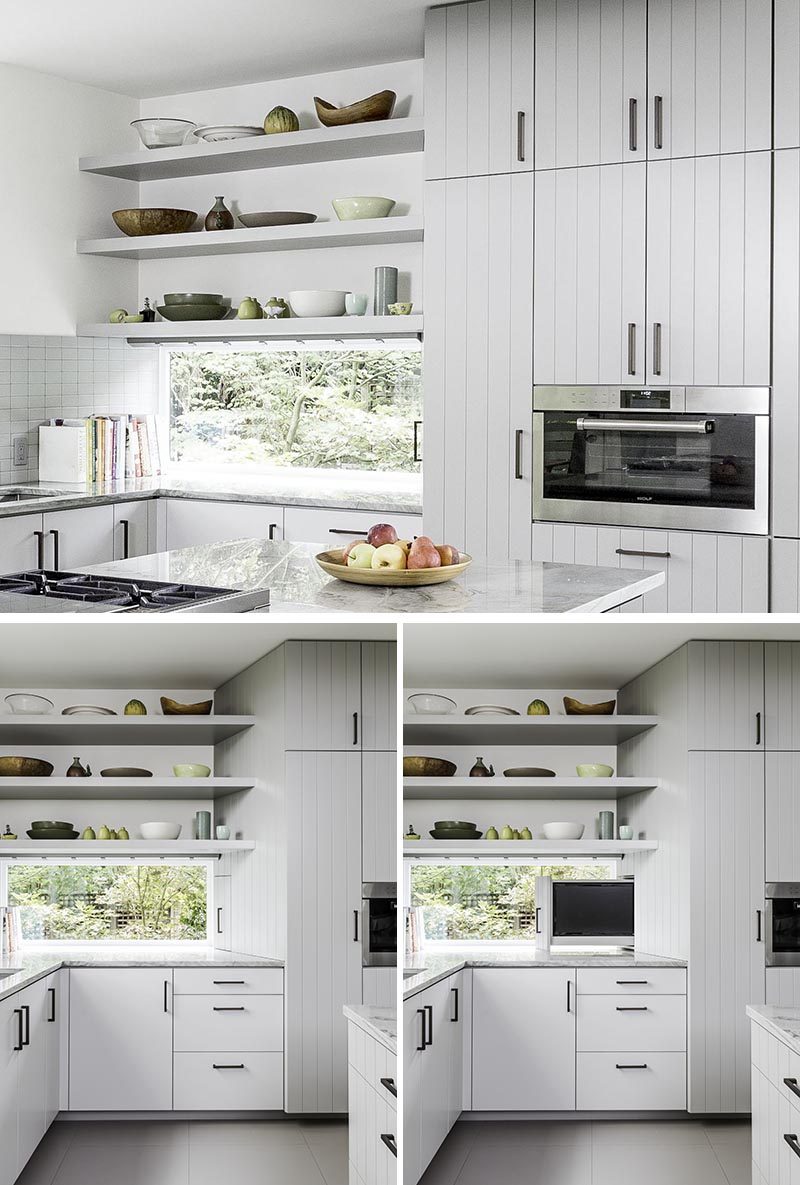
(708, 269)
(378, 696)
(589, 282)
(479, 89)
(591, 61)
(323, 963)
(726, 960)
(725, 694)
(786, 345)
(479, 262)
(787, 74)
(783, 986)
(785, 575)
(9, 1095)
(710, 68)
(323, 695)
(782, 697)
(783, 817)
(379, 816)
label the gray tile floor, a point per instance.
(197, 1153)
(690, 1152)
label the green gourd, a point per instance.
(104, 833)
(123, 833)
(506, 833)
(492, 833)
(526, 833)
(135, 707)
(281, 119)
(88, 833)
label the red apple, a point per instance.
(381, 533)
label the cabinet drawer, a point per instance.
(228, 1022)
(335, 528)
(635, 981)
(659, 1086)
(231, 981)
(371, 1120)
(608, 1023)
(374, 1062)
(255, 1084)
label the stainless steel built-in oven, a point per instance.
(691, 457)
(379, 923)
(782, 924)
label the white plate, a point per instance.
(490, 710)
(212, 133)
(87, 710)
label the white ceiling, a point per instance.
(146, 653)
(604, 654)
(150, 48)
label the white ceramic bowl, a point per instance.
(191, 771)
(563, 830)
(594, 770)
(425, 703)
(317, 302)
(160, 830)
(350, 208)
(163, 133)
(25, 704)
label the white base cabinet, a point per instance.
(191, 523)
(433, 1037)
(228, 1081)
(372, 1090)
(776, 1109)
(29, 1072)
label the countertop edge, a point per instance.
(368, 1018)
(768, 1017)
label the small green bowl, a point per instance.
(191, 771)
(594, 770)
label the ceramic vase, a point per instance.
(219, 216)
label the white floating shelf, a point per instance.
(526, 847)
(309, 236)
(124, 847)
(286, 329)
(113, 789)
(120, 730)
(524, 730)
(523, 789)
(382, 138)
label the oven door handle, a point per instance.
(690, 428)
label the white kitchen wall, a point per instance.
(41, 377)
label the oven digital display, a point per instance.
(647, 400)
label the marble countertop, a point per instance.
(29, 965)
(378, 1023)
(779, 1020)
(432, 966)
(332, 489)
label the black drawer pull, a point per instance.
(628, 982)
(20, 1042)
(51, 1018)
(26, 1009)
(421, 1012)
(638, 1008)
(652, 555)
(339, 531)
(238, 1066)
(638, 1066)
(228, 982)
(454, 992)
(792, 1084)
(390, 1085)
(791, 1140)
(390, 1143)
(225, 1008)
(429, 1015)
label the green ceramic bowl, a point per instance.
(193, 298)
(594, 770)
(191, 771)
(193, 312)
(348, 209)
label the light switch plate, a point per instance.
(19, 446)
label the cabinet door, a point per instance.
(10, 1053)
(336, 528)
(708, 270)
(414, 1030)
(323, 696)
(709, 77)
(786, 358)
(455, 1084)
(52, 1034)
(32, 1071)
(782, 817)
(222, 912)
(324, 951)
(379, 816)
(132, 528)
(725, 702)
(787, 74)
(518, 1066)
(19, 544)
(75, 539)
(379, 986)
(785, 575)
(479, 89)
(120, 1039)
(191, 522)
(726, 877)
(589, 282)
(435, 1070)
(782, 698)
(378, 696)
(591, 82)
(478, 267)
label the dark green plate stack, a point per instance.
(455, 829)
(194, 306)
(52, 829)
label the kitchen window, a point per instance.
(106, 902)
(294, 407)
(488, 902)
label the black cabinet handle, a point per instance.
(39, 537)
(637, 1066)
(520, 136)
(126, 538)
(518, 454)
(220, 1066)
(390, 1085)
(792, 1084)
(759, 935)
(758, 728)
(355, 925)
(630, 982)
(421, 1012)
(417, 426)
(219, 919)
(228, 982)
(638, 1008)
(632, 125)
(55, 549)
(272, 529)
(355, 728)
(454, 1019)
(792, 1141)
(227, 1008)
(658, 121)
(569, 995)
(429, 1014)
(26, 1008)
(339, 531)
(20, 1042)
(652, 555)
(537, 927)
(166, 995)
(390, 1143)
(51, 1018)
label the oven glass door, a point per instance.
(381, 932)
(681, 460)
(785, 929)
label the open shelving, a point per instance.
(524, 730)
(526, 847)
(286, 329)
(120, 730)
(524, 789)
(124, 847)
(123, 789)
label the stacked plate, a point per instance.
(52, 829)
(194, 306)
(455, 829)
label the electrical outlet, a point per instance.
(19, 445)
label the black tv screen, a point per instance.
(592, 909)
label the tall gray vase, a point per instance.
(385, 290)
(606, 824)
(202, 822)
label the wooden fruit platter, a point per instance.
(332, 562)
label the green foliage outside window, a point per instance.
(338, 409)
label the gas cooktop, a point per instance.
(138, 596)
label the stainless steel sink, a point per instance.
(10, 971)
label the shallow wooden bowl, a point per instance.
(574, 707)
(428, 767)
(171, 707)
(379, 106)
(24, 767)
(154, 221)
(333, 563)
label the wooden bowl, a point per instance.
(154, 221)
(574, 707)
(24, 767)
(428, 767)
(171, 707)
(332, 562)
(379, 106)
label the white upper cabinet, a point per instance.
(710, 77)
(708, 270)
(725, 703)
(787, 74)
(589, 280)
(782, 706)
(785, 364)
(591, 82)
(378, 696)
(323, 696)
(479, 88)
